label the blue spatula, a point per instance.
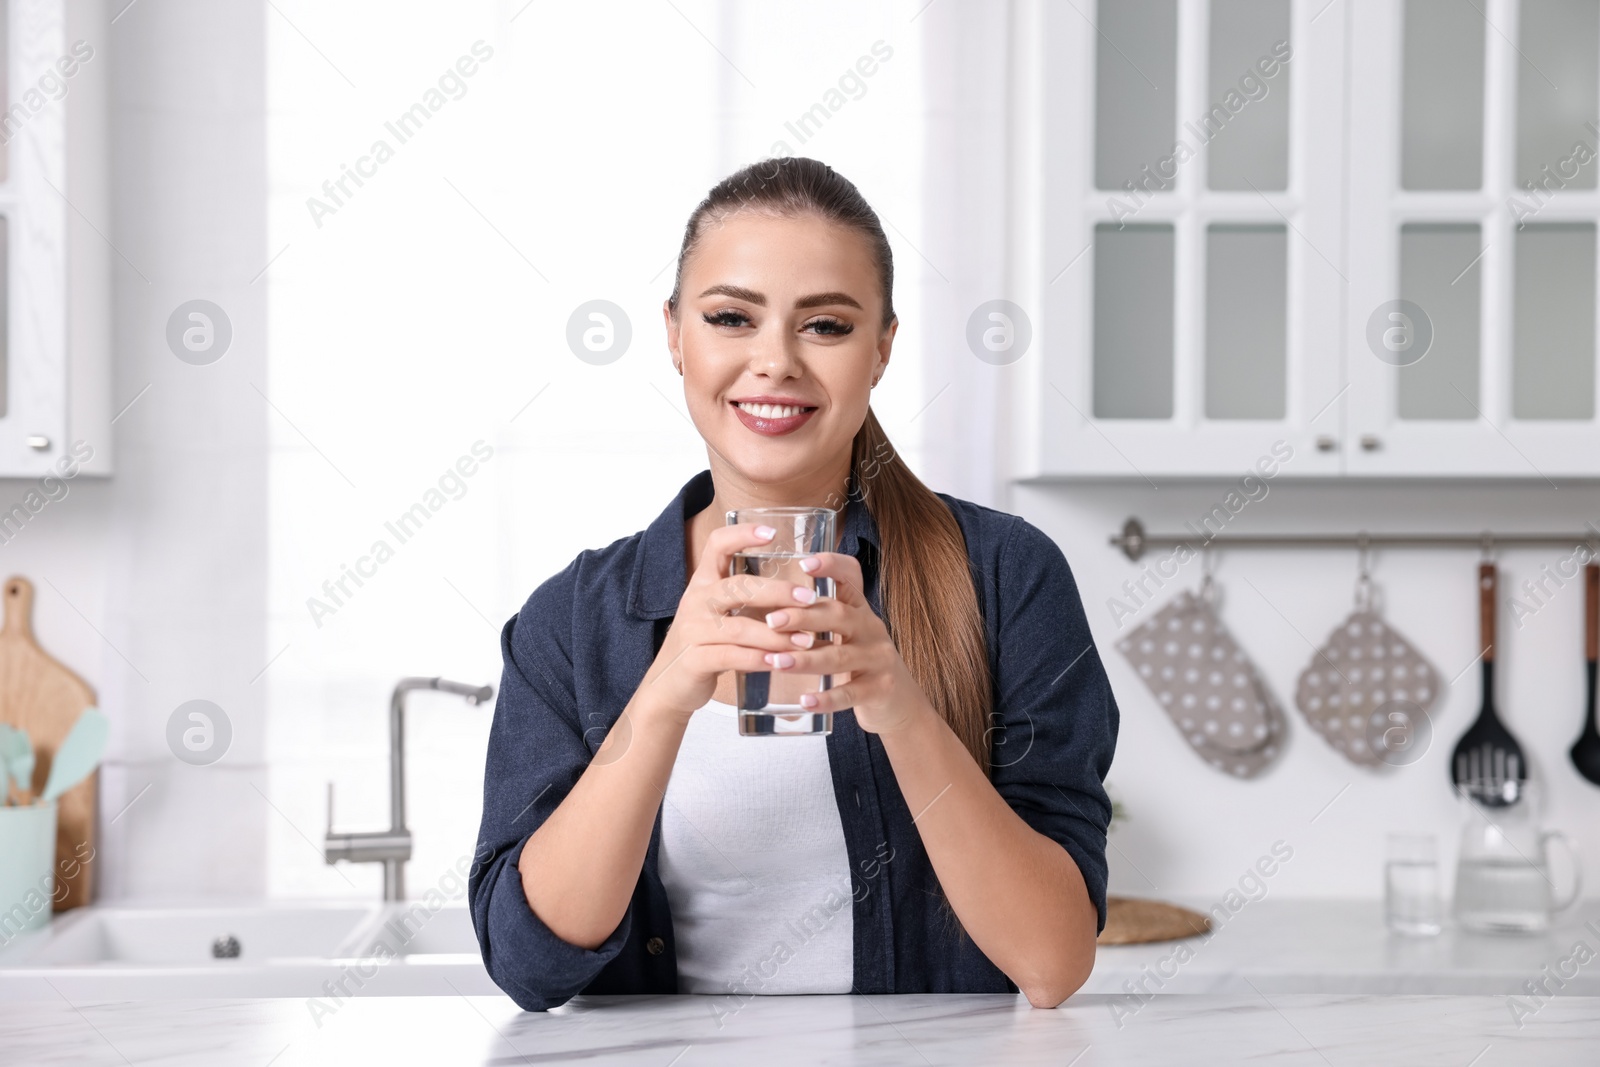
(79, 753)
(16, 760)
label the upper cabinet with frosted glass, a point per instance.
(54, 261)
(1364, 228)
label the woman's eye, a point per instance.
(834, 327)
(727, 318)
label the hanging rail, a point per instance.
(1134, 540)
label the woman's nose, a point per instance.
(776, 356)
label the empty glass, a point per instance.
(769, 701)
(1411, 885)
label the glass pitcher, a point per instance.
(1503, 881)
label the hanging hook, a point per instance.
(1208, 588)
(1488, 546)
(1363, 573)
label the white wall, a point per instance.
(184, 607)
(1192, 829)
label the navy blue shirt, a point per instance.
(580, 647)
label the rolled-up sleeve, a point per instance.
(536, 755)
(1057, 718)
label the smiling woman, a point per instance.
(973, 727)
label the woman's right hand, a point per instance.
(708, 635)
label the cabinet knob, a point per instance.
(1371, 442)
(1326, 443)
(39, 442)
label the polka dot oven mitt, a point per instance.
(1207, 686)
(1360, 679)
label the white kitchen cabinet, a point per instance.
(1213, 227)
(1458, 114)
(54, 207)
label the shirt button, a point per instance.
(655, 946)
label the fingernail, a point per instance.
(810, 564)
(804, 640)
(804, 595)
(779, 660)
(766, 533)
(777, 618)
(807, 700)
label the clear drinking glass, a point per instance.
(1411, 885)
(769, 701)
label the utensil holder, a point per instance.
(27, 867)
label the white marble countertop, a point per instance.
(1272, 946)
(1342, 946)
(1311, 1029)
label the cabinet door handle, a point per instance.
(1371, 442)
(39, 442)
(1326, 443)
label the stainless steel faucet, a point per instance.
(392, 847)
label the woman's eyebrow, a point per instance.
(739, 292)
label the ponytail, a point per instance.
(930, 604)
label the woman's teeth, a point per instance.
(771, 411)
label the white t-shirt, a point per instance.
(754, 863)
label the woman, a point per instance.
(949, 834)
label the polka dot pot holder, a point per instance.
(1206, 685)
(1367, 686)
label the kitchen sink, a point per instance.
(260, 949)
(409, 930)
(166, 937)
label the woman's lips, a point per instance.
(775, 426)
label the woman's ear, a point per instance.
(885, 344)
(674, 336)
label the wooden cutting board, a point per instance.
(1134, 921)
(43, 698)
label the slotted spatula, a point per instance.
(1585, 751)
(1487, 759)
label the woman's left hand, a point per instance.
(880, 689)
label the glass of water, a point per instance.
(1411, 885)
(769, 701)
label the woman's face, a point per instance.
(780, 341)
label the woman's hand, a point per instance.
(706, 638)
(880, 688)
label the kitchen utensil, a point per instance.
(1487, 753)
(43, 699)
(1503, 878)
(79, 753)
(1206, 684)
(16, 763)
(1586, 749)
(1362, 678)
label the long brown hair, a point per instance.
(930, 604)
